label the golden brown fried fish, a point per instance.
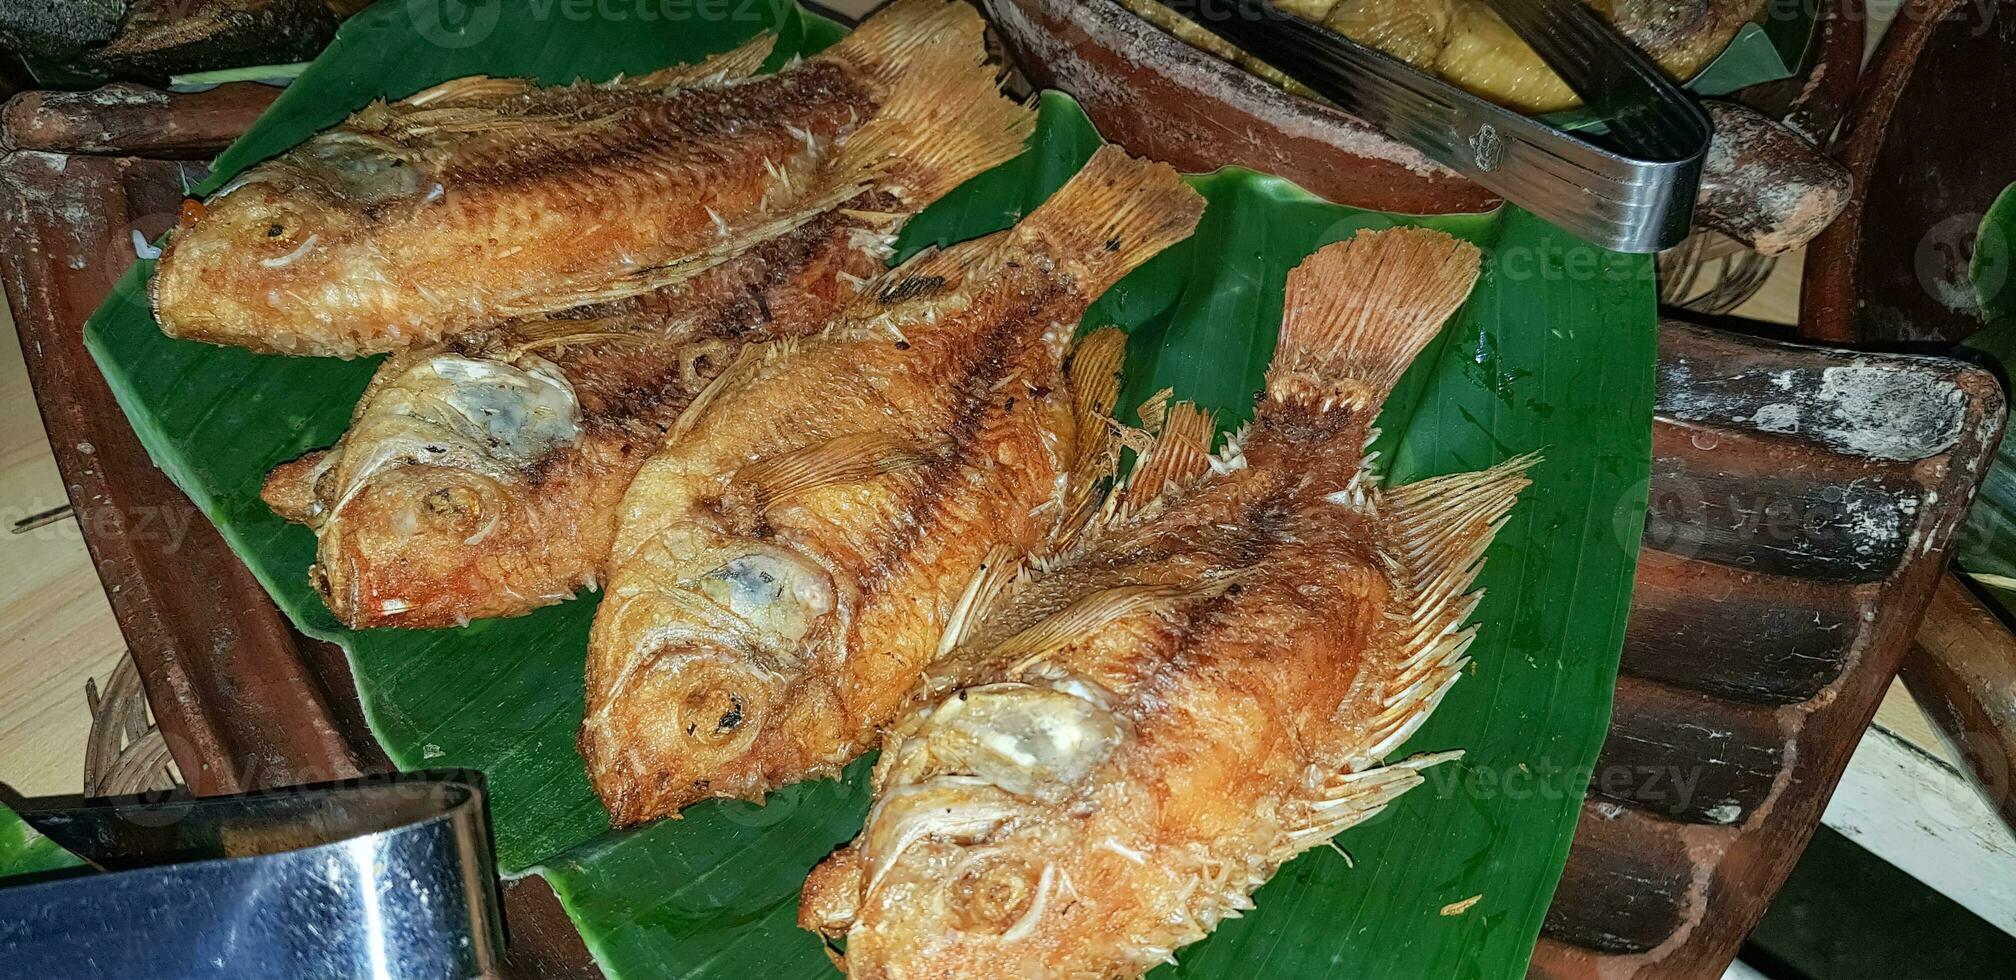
(481, 475)
(1465, 42)
(1121, 749)
(483, 200)
(786, 563)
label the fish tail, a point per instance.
(1357, 314)
(1444, 526)
(944, 120)
(1115, 215)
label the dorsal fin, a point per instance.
(469, 88)
(1352, 798)
(739, 62)
(1443, 526)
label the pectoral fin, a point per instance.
(846, 459)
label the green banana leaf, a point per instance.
(24, 851)
(1554, 352)
(1769, 51)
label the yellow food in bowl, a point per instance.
(1465, 42)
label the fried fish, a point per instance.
(484, 199)
(1127, 742)
(785, 564)
(481, 474)
(1467, 43)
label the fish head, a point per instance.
(294, 229)
(698, 643)
(436, 465)
(967, 861)
(403, 548)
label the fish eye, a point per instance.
(275, 231)
(452, 503)
(994, 894)
(724, 707)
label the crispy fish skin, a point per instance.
(1124, 747)
(787, 560)
(416, 528)
(484, 199)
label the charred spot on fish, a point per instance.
(1011, 404)
(319, 578)
(902, 345)
(723, 706)
(1113, 244)
(994, 894)
(910, 288)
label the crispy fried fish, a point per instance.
(784, 566)
(481, 474)
(1466, 42)
(1121, 749)
(483, 200)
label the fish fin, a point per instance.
(1359, 311)
(997, 572)
(289, 489)
(1116, 214)
(1352, 798)
(651, 279)
(469, 88)
(845, 459)
(739, 62)
(1178, 458)
(1092, 613)
(1094, 376)
(944, 119)
(1444, 525)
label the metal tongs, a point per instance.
(388, 880)
(1635, 194)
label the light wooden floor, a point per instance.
(56, 628)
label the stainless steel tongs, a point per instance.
(1634, 192)
(391, 879)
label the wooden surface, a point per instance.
(1784, 570)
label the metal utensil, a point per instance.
(1634, 195)
(388, 881)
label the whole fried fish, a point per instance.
(1466, 42)
(1122, 749)
(785, 564)
(483, 199)
(481, 474)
